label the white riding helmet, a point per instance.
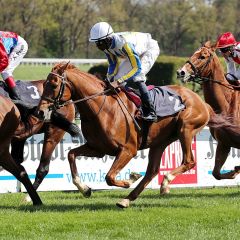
(100, 31)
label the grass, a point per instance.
(184, 214)
(36, 72)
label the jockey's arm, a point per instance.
(3, 57)
(113, 65)
(231, 68)
(134, 60)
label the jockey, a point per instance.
(12, 50)
(130, 55)
(230, 50)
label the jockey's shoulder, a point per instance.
(5, 34)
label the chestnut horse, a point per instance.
(30, 125)
(9, 121)
(204, 67)
(109, 129)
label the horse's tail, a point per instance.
(223, 121)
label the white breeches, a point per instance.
(15, 57)
(147, 60)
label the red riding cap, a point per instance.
(226, 40)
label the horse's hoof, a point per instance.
(27, 198)
(237, 169)
(124, 203)
(87, 193)
(134, 176)
(164, 191)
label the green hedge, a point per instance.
(162, 73)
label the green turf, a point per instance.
(36, 72)
(184, 214)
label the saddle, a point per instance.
(166, 101)
(28, 92)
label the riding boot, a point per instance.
(149, 113)
(13, 93)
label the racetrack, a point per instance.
(184, 214)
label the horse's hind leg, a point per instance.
(154, 156)
(83, 150)
(188, 161)
(20, 173)
(221, 157)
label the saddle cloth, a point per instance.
(28, 92)
(166, 101)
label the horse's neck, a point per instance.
(216, 94)
(85, 87)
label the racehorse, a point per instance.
(205, 68)
(30, 125)
(109, 129)
(9, 113)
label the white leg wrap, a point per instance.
(81, 187)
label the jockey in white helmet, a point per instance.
(130, 55)
(230, 50)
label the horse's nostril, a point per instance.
(182, 73)
(39, 114)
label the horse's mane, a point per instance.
(69, 66)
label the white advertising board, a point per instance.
(92, 171)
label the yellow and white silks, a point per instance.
(131, 56)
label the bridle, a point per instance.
(196, 77)
(58, 103)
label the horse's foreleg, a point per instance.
(221, 157)
(152, 170)
(83, 150)
(17, 150)
(119, 163)
(20, 173)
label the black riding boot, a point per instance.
(16, 97)
(149, 113)
(14, 94)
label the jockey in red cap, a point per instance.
(12, 50)
(230, 50)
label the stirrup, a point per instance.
(150, 118)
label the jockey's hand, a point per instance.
(115, 84)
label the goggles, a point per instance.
(224, 50)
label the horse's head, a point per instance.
(57, 89)
(199, 63)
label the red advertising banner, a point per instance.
(172, 158)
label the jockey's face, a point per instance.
(104, 44)
(226, 52)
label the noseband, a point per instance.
(198, 72)
(58, 103)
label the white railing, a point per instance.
(50, 61)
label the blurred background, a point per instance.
(60, 28)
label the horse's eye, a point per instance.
(201, 57)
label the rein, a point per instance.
(56, 101)
(199, 79)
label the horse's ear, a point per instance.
(214, 46)
(65, 66)
(207, 44)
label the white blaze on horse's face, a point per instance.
(186, 72)
(183, 74)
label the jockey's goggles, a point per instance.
(226, 49)
(100, 42)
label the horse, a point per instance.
(31, 124)
(108, 126)
(9, 113)
(205, 68)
